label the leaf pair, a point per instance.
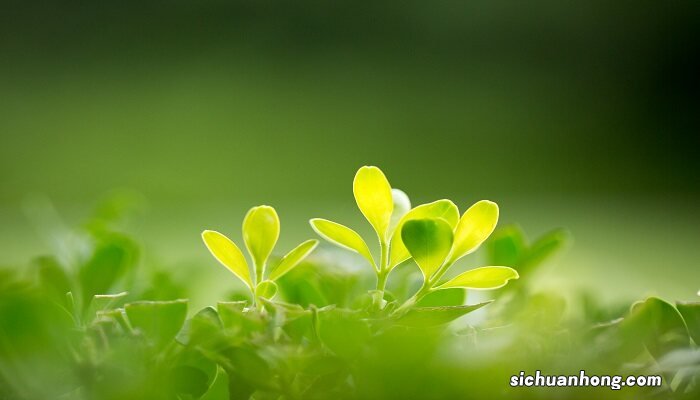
(376, 200)
(261, 227)
(436, 243)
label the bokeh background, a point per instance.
(579, 115)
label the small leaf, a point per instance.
(483, 278)
(202, 329)
(159, 321)
(113, 256)
(545, 246)
(440, 209)
(402, 205)
(228, 254)
(429, 242)
(261, 229)
(656, 324)
(342, 236)
(507, 246)
(691, 314)
(421, 317)
(266, 289)
(293, 258)
(373, 196)
(473, 228)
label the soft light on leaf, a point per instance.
(429, 242)
(402, 205)
(342, 236)
(440, 209)
(228, 254)
(266, 289)
(373, 196)
(261, 229)
(474, 227)
(293, 258)
(482, 278)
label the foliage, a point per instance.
(81, 327)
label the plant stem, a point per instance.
(424, 290)
(382, 273)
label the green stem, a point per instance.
(424, 290)
(382, 272)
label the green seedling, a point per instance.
(433, 234)
(261, 228)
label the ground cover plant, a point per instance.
(416, 321)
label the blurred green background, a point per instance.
(584, 116)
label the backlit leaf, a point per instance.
(342, 236)
(440, 209)
(228, 254)
(473, 228)
(293, 258)
(482, 278)
(261, 229)
(373, 196)
(429, 242)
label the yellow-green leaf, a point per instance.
(228, 254)
(261, 228)
(293, 258)
(373, 196)
(266, 289)
(429, 242)
(442, 209)
(342, 236)
(474, 227)
(483, 278)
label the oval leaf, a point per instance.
(261, 229)
(342, 236)
(429, 242)
(293, 258)
(373, 196)
(440, 209)
(266, 289)
(474, 227)
(483, 278)
(228, 254)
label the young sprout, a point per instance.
(433, 234)
(261, 228)
(383, 207)
(436, 245)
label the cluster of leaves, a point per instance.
(82, 328)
